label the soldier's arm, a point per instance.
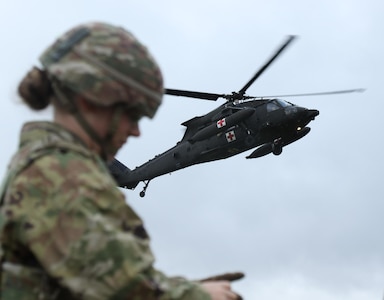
(93, 244)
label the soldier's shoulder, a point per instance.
(68, 163)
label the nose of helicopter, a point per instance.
(312, 113)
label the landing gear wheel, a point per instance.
(277, 147)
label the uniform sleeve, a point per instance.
(82, 232)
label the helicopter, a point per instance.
(241, 123)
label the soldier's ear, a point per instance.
(86, 106)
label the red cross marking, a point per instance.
(221, 123)
(230, 136)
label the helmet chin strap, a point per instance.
(105, 144)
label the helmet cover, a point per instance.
(107, 65)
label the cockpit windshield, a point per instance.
(283, 103)
(271, 106)
(277, 104)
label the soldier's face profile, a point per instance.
(127, 125)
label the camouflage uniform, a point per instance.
(67, 232)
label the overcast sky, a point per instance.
(303, 225)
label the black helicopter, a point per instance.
(240, 124)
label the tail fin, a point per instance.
(121, 173)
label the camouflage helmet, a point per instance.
(107, 65)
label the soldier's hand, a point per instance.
(220, 290)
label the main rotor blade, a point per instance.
(193, 94)
(263, 68)
(313, 94)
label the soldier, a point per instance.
(66, 231)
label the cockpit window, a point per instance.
(275, 104)
(283, 103)
(271, 106)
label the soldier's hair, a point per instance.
(35, 89)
